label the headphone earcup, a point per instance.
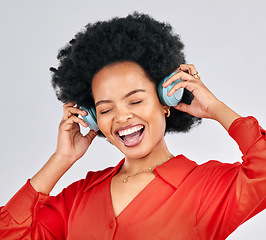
(162, 92)
(90, 118)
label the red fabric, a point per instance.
(184, 201)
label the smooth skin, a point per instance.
(112, 83)
(111, 86)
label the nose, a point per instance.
(123, 114)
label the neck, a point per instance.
(157, 156)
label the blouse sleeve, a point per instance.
(235, 192)
(32, 215)
(16, 216)
(251, 180)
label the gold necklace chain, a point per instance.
(143, 171)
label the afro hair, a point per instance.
(137, 38)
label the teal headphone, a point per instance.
(91, 118)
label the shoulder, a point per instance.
(214, 169)
(215, 164)
(77, 188)
(94, 177)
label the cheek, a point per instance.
(160, 122)
(104, 125)
(156, 117)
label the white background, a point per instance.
(225, 40)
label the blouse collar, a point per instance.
(174, 171)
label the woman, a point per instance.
(115, 67)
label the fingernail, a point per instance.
(168, 94)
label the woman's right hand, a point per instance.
(71, 144)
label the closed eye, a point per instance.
(106, 111)
(137, 102)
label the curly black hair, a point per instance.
(137, 38)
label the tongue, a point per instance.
(132, 139)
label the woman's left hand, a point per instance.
(204, 101)
(204, 104)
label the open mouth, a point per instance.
(131, 136)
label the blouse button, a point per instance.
(111, 224)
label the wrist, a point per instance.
(216, 109)
(223, 114)
(63, 159)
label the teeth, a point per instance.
(129, 131)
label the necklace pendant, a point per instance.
(124, 180)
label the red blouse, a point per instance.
(184, 201)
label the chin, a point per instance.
(137, 152)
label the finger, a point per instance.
(184, 76)
(70, 104)
(65, 109)
(188, 67)
(70, 110)
(182, 107)
(91, 135)
(189, 85)
(74, 119)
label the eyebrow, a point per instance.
(126, 96)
